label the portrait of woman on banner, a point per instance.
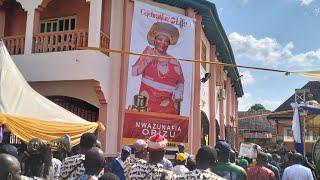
(162, 81)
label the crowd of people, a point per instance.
(146, 160)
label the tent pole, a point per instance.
(300, 96)
(304, 133)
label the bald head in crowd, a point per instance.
(297, 158)
(10, 167)
(94, 161)
(205, 157)
(88, 140)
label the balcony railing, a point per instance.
(59, 41)
(53, 41)
(14, 44)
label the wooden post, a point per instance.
(228, 108)
(127, 21)
(196, 115)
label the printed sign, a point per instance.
(145, 124)
(159, 87)
(248, 150)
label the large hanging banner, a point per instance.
(158, 98)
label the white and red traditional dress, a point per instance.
(162, 81)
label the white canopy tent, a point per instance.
(28, 114)
(310, 74)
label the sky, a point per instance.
(281, 34)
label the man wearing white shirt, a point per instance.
(297, 171)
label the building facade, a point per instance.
(254, 127)
(284, 120)
(44, 36)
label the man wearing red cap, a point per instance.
(152, 169)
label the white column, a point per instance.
(114, 77)
(30, 7)
(29, 32)
(94, 23)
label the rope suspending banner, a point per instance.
(186, 60)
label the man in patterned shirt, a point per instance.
(205, 158)
(73, 166)
(140, 152)
(152, 169)
(93, 164)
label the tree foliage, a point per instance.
(257, 107)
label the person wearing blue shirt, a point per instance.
(118, 163)
(273, 168)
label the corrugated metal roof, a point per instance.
(314, 87)
(214, 32)
(255, 121)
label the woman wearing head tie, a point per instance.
(162, 78)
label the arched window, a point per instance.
(77, 106)
(204, 129)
